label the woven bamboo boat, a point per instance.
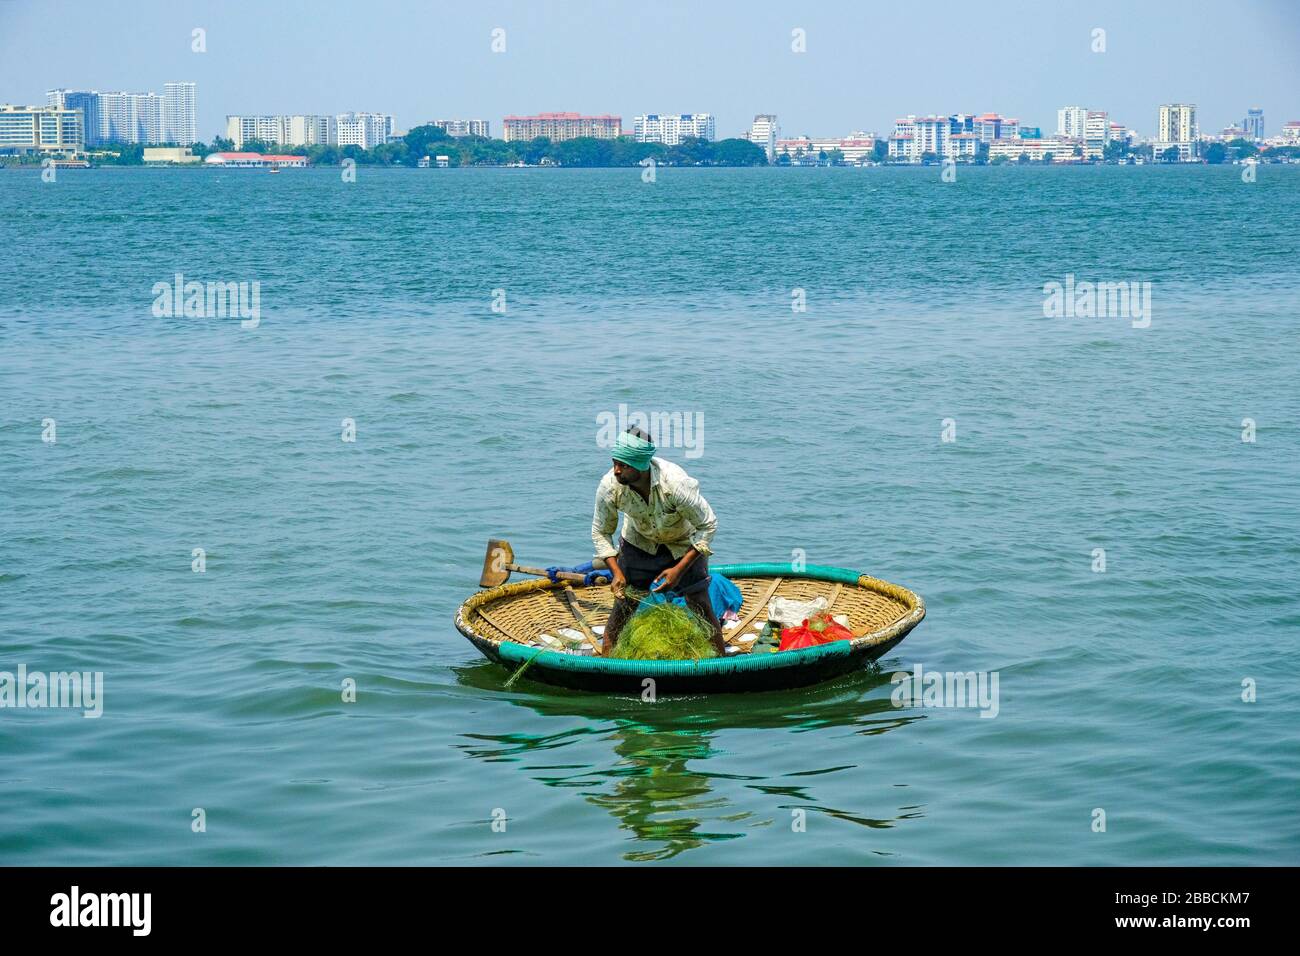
(503, 622)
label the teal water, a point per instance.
(329, 560)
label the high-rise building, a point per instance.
(1177, 127)
(1253, 124)
(1071, 121)
(180, 113)
(130, 117)
(1096, 134)
(1177, 123)
(304, 129)
(117, 119)
(41, 129)
(288, 130)
(561, 126)
(932, 134)
(961, 145)
(85, 100)
(990, 126)
(915, 136)
(669, 128)
(366, 130)
(134, 117)
(460, 127)
(763, 133)
(149, 115)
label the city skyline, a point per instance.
(66, 125)
(849, 77)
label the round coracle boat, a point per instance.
(514, 624)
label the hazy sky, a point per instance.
(866, 62)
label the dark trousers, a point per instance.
(641, 568)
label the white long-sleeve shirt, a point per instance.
(676, 514)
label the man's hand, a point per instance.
(668, 580)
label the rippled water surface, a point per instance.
(328, 560)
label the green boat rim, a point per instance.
(513, 654)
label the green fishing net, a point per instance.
(664, 632)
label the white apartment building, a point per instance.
(1177, 127)
(117, 118)
(902, 142)
(134, 117)
(669, 128)
(459, 127)
(914, 136)
(130, 117)
(1096, 134)
(297, 129)
(1072, 122)
(180, 113)
(961, 146)
(558, 127)
(366, 130)
(1177, 123)
(764, 132)
(149, 114)
(41, 129)
(305, 129)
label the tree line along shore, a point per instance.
(433, 144)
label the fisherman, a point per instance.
(667, 528)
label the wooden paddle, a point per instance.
(499, 562)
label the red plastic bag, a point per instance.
(821, 629)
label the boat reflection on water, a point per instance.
(659, 785)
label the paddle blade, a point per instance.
(499, 554)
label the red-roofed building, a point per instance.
(254, 160)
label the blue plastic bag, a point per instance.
(723, 596)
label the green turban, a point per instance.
(633, 451)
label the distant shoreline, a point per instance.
(189, 167)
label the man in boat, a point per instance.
(667, 528)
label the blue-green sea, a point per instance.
(1121, 690)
